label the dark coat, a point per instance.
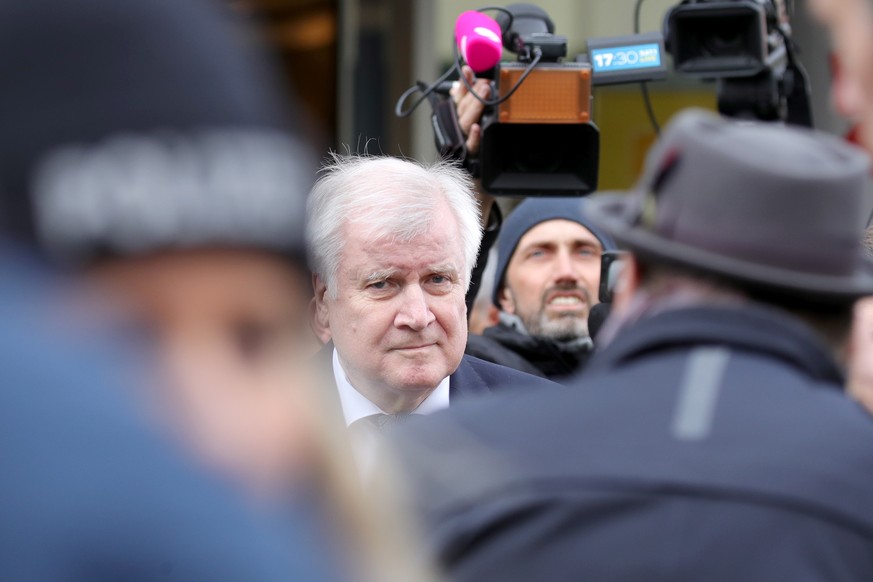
(501, 344)
(706, 444)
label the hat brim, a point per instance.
(610, 212)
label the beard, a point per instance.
(562, 326)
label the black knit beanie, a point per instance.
(128, 127)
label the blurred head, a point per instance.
(229, 327)
(548, 272)
(850, 23)
(393, 246)
(729, 210)
(146, 149)
(240, 308)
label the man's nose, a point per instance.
(414, 311)
(564, 269)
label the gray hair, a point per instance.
(396, 198)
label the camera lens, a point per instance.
(724, 43)
(540, 159)
(546, 157)
(724, 38)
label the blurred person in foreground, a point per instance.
(712, 440)
(393, 244)
(850, 23)
(547, 280)
(167, 180)
(89, 492)
(148, 153)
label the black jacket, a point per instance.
(706, 444)
(504, 345)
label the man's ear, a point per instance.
(493, 316)
(506, 301)
(317, 324)
(627, 285)
(319, 288)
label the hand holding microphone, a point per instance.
(469, 108)
(478, 38)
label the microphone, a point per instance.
(478, 38)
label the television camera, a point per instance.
(538, 135)
(746, 46)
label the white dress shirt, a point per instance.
(366, 443)
(356, 405)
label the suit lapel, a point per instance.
(466, 381)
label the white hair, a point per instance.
(395, 198)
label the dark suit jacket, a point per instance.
(475, 377)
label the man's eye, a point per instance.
(379, 286)
(536, 254)
(439, 279)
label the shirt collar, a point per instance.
(356, 406)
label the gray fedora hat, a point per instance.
(777, 209)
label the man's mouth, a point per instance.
(566, 300)
(415, 347)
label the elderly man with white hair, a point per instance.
(393, 244)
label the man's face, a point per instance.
(552, 279)
(850, 23)
(398, 320)
(229, 331)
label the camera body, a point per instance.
(542, 140)
(724, 38)
(744, 45)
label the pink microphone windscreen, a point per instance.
(478, 37)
